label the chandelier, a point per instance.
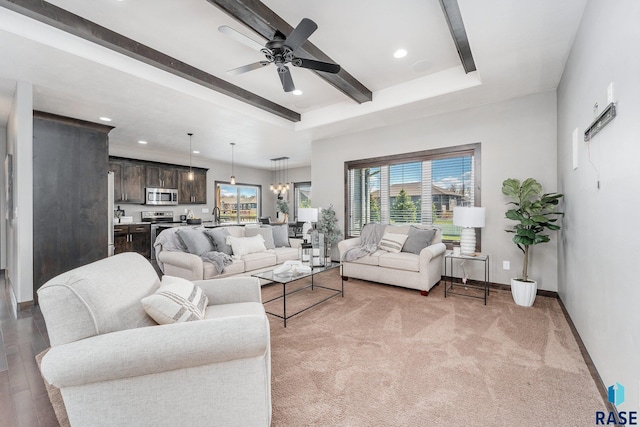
(279, 175)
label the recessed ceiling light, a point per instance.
(142, 142)
(297, 92)
(196, 152)
(400, 53)
(105, 119)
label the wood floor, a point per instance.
(23, 398)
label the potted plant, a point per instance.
(535, 212)
(328, 225)
(283, 208)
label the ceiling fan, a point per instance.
(280, 50)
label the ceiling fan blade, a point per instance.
(238, 36)
(246, 68)
(300, 34)
(286, 79)
(312, 64)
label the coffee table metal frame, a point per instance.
(286, 278)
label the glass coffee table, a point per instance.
(289, 278)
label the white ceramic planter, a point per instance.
(524, 293)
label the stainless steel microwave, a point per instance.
(161, 196)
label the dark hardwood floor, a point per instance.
(23, 397)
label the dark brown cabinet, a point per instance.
(192, 192)
(128, 181)
(132, 176)
(132, 238)
(160, 176)
(70, 198)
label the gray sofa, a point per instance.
(420, 269)
(116, 367)
(176, 260)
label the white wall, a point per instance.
(597, 274)
(518, 141)
(3, 202)
(218, 171)
(20, 229)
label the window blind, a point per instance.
(419, 187)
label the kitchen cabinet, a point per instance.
(194, 191)
(132, 238)
(70, 197)
(128, 181)
(161, 176)
(131, 176)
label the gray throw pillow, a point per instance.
(194, 240)
(418, 239)
(264, 231)
(218, 237)
(281, 235)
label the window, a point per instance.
(421, 187)
(301, 196)
(238, 203)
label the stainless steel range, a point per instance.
(157, 218)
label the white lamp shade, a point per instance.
(469, 217)
(308, 215)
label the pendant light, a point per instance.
(233, 178)
(279, 175)
(190, 175)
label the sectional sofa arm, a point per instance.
(156, 349)
(433, 251)
(346, 244)
(182, 264)
(229, 290)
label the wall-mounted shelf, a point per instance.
(601, 121)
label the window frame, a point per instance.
(258, 188)
(296, 202)
(473, 149)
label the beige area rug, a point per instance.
(386, 356)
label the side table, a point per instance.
(450, 285)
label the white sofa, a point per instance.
(173, 261)
(116, 367)
(416, 271)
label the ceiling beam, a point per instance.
(458, 33)
(64, 20)
(257, 16)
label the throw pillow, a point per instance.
(218, 237)
(265, 232)
(392, 242)
(246, 245)
(418, 239)
(281, 235)
(177, 300)
(194, 240)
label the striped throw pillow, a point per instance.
(177, 300)
(392, 242)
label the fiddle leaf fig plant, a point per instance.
(534, 211)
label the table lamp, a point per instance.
(308, 215)
(469, 218)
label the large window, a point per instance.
(238, 203)
(421, 187)
(301, 196)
